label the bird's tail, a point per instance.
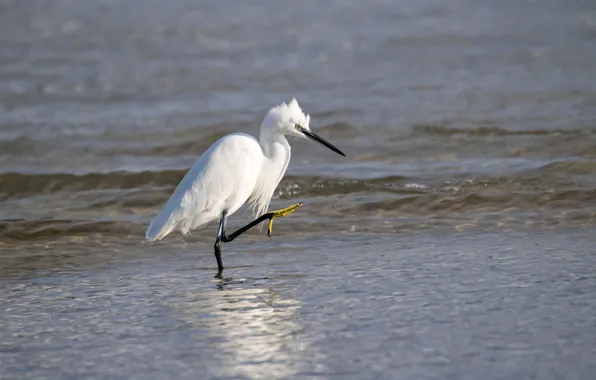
(159, 227)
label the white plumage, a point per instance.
(235, 170)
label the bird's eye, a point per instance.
(298, 127)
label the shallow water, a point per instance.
(425, 306)
(454, 241)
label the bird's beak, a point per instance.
(313, 136)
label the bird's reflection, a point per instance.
(248, 329)
(224, 283)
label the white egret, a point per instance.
(235, 170)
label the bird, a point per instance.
(237, 169)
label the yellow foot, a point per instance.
(279, 213)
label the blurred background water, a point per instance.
(456, 240)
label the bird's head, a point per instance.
(289, 120)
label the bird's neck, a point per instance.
(271, 142)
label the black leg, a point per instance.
(223, 238)
(228, 238)
(218, 239)
(218, 255)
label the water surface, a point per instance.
(454, 241)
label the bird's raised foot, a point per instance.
(279, 213)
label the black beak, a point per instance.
(313, 136)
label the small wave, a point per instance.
(293, 186)
(478, 202)
(161, 183)
(20, 146)
(17, 184)
(110, 200)
(498, 131)
(21, 229)
(416, 186)
(475, 205)
(570, 167)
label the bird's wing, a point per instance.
(222, 179)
